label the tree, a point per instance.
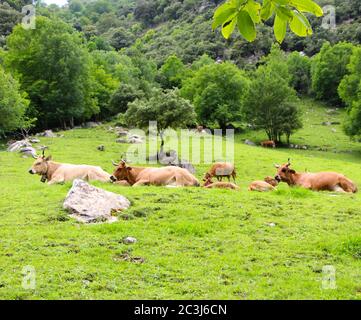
(246, 14)
(218, 92)
(166, 107)
(172, 73)
(13, 104)
(9, 17)
(270, 103)
(350, 92)
(299, 67)
(119, 38)
(328, 69)
(125, 94)
(54, 68)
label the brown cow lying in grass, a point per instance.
(219, 185)
(269, 184)
(166, 176)
(268, 144)
(322, 181)
(55, 172)
(221, 170)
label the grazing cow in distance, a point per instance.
(322, 181)
(55, 172)
(219, 185)
(268, 144)
(221, 170)
(165, 176)
(269, 184)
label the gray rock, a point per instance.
(91, 124)
(18, 145)
(250, 143)
(34, 140)
(28, 151)
(101, 148)
(89, 204)
(122, 133)
(121, 140)
(327, 123)
(135, 140)
(129, 240)
(48, 134)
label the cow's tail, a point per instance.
(348, 185)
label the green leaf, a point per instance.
(246, 26)
(307, 6)
(267, 10)
(228, 28)
(280, 28)
(300, 25)
(284, 13)
(223, 14)
(253, 8)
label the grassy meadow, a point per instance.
(196, 243)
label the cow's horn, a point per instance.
(277, 166)
(35, 156)
(114, 164)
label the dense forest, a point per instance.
(95, 59)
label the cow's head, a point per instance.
(121, 172)
(40, 166)
(207, 181)
(285, 173)
(207, 176)
(272, 181)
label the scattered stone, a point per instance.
(135, 140)
(28, 152)
(272, 225)
(91, 124)
(121, 140)
(49, 134)
(129, 240)
(326, 123)
(122, 133)
(18, 145)
(249, 143)
(101, 148)
(89, 204)
(34, 140)
(333, 130)
(128, 257)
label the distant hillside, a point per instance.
(182, 27)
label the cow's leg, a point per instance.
(56, 180)
(337, 188)
(141, 183)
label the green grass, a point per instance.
(196, 243)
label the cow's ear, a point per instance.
(129, 168)
(292, 171)
(48, 158)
